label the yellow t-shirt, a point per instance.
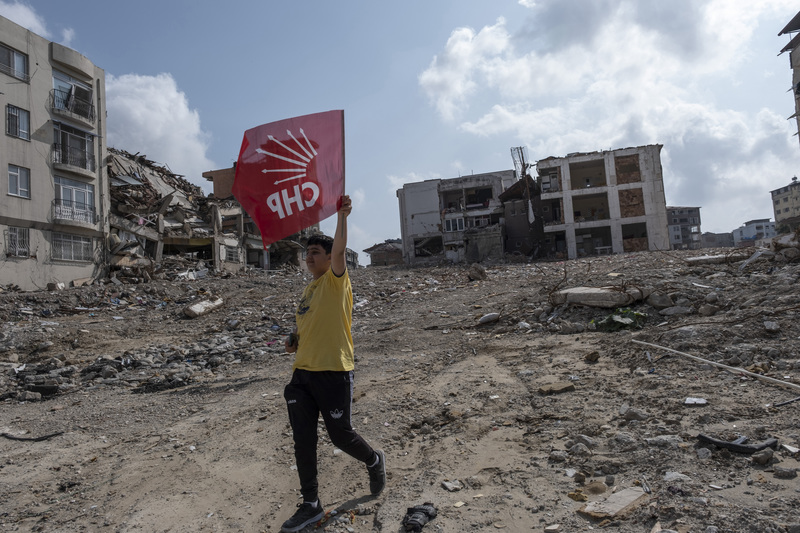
(324, 317)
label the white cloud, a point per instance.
(27, 17)
(584, 77)
(450, 78)
(150, 115)
(397, 182)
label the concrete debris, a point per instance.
(616, 505)
(202, 308)
(455, 402)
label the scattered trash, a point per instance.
(416, 517)
(738, 445)
(452, 486)
(621, 319)
(695, 402)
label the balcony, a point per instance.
(72, 106)
(74, 213)
(73, 159)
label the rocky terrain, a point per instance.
(504, 408)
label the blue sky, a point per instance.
(444, 88)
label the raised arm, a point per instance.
(338, 261)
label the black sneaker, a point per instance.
(377, 474)
(306, 514)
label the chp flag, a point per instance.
(290, 173)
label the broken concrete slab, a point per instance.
(202, 308)
(557, 387)
(616, 505)
(605, 297)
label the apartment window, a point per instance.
(73, 147)
(777, 202)
(67, 247)
(18, 122)
(19, 181)
(72, 95)
(13, 63)
(454, 224)
(231, 254)
(786, 199)
(74, 193)
(17, 243)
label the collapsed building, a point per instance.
(156, 213)
(389, 252)
(458, 219)
(582, 204)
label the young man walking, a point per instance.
(322, 378)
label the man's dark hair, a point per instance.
(322, 240)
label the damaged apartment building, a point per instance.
(582, 204)
(603, 202)
(458, 219)
(55, 196)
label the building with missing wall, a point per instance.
(458, 219)
(603, 202)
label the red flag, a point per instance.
(290, 173)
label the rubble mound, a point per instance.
(642, 392)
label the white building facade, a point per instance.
(54, 203)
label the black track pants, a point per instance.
(331, 393)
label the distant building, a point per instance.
(386, 253)
(459, 219)
(55, 200)
(602, 202)
(716, 240)
(684, 227)
(752, 231)
(786, 202)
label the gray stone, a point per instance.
(676, 476)
(664, 441)
(785, 473)
(635, 414)
(762, 457)
(772, 327)
(588, 441)
(624, 441)
(28, 396)
(707, 310)
(704, 454)
(580, 450)
(677, 310)
(660, 301)
(477, 273)
(558, 456)
(108, 372)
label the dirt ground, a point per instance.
(147, 420)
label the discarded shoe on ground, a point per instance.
(418, 516)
